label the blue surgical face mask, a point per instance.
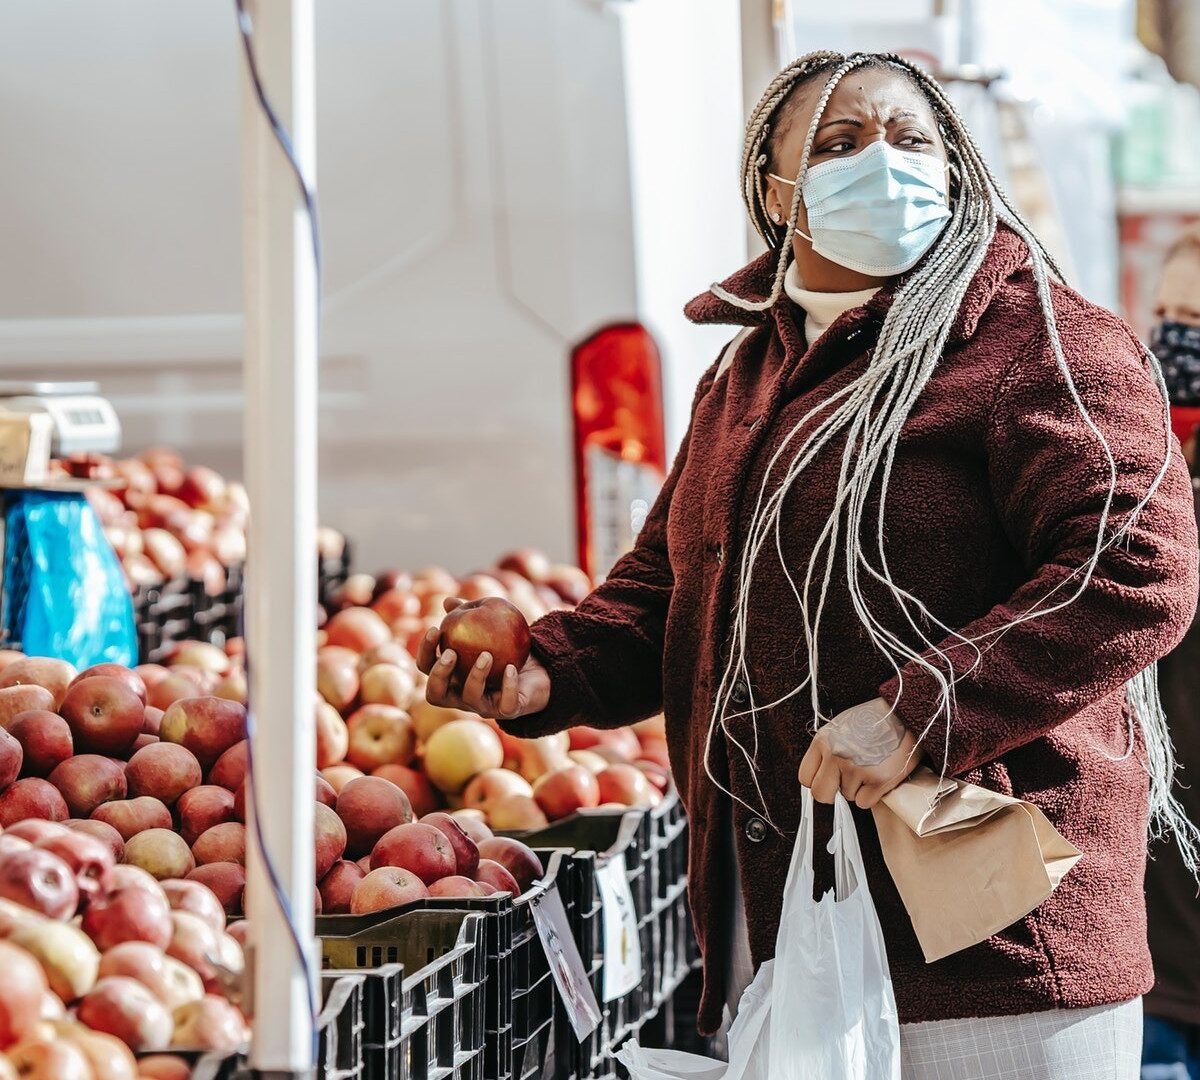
(877, 212)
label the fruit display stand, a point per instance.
(519, 999)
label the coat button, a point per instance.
(756, 830)
(740, 693)
(716, 552)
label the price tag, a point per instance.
(566, 966)
(622, 945)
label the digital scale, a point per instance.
(81, 420)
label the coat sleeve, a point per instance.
(1049, 480)
(605, 657)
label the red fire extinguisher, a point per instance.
(620, 447)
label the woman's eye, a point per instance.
(913, 141)
(838, 147)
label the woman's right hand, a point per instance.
(520, 693)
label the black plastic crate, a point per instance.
(441, 990)
(341, 1026)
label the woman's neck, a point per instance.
(820, 275)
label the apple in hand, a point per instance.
(104, 715)
(87, 780)
(45, 739)
(31, 798)
(40, 881)
(386, 887)
(489, 625)
(379, 735)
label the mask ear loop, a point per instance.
(782, 180)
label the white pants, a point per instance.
(1104, 1043)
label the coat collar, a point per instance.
(1007, 254)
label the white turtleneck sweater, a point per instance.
(821, 309)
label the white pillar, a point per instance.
(281, 471)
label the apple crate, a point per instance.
(164, 615)
(424, 977)
(331, 574)
(341, 1027)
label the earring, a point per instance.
(777, 217)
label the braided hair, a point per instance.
(870, 414)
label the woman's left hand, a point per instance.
(863, 752)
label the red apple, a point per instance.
(531, 564)
(52, 675)
(21, 996)
(32, 798)
(473, 824)
(87, 780)
(455, 886)
(487, 625)
(90, 860)
(542, 756)
(324, 791)
(564, 791)
(396, 604)
(476, 587)
(518, 859)
(152, 721)
(123, 1007)
(194, 896)
(105, 715)
(15, 700)
(233, 687)
(226, 881)
(387, 887)
(330, 837)
(571, 583)
(657, 753)
(357, 628)
(142, 741)
(229, 770)
(202, 808)
(421, 849)
(40, 881)
(590, 760)
(333, 737)
(392, 579)
(488, 889)
(45, 1056)
(466, 851)
(164, 771)
(460, 750)
(428, 718)
(101, 831)
(356, 591)
(151, 675)
(221, 843)
(422, 796)
(370, 806)
(379, 735)
(495, 875)
(161, 853)
(337, 887)
(194, 942)
(337, 681)
(179, 685)
(625, 784)
(164, 1067)
(491, 785)
(338, 776)
(387, 684)
(10, 844)
(34, 829)
(115, 671)
(45, 739)
(202, 486)
(207, 726)
(12, 756)
(169, 980)
(390, 652)
(10, 656)
(212, 1024)
(517, 813)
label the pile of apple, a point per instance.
(168, 521)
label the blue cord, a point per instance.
(246, 29)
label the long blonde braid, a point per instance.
(871, 412)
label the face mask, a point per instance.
(877, 212)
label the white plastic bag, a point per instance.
(823, 1008)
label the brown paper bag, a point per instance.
(967, 861)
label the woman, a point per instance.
(932, 497)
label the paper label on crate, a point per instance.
(566, 965)
(622, 945)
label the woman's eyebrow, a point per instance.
(844, 120)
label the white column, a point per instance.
(281, 476)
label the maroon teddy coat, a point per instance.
(994, 497)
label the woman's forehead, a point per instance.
(861, 94)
